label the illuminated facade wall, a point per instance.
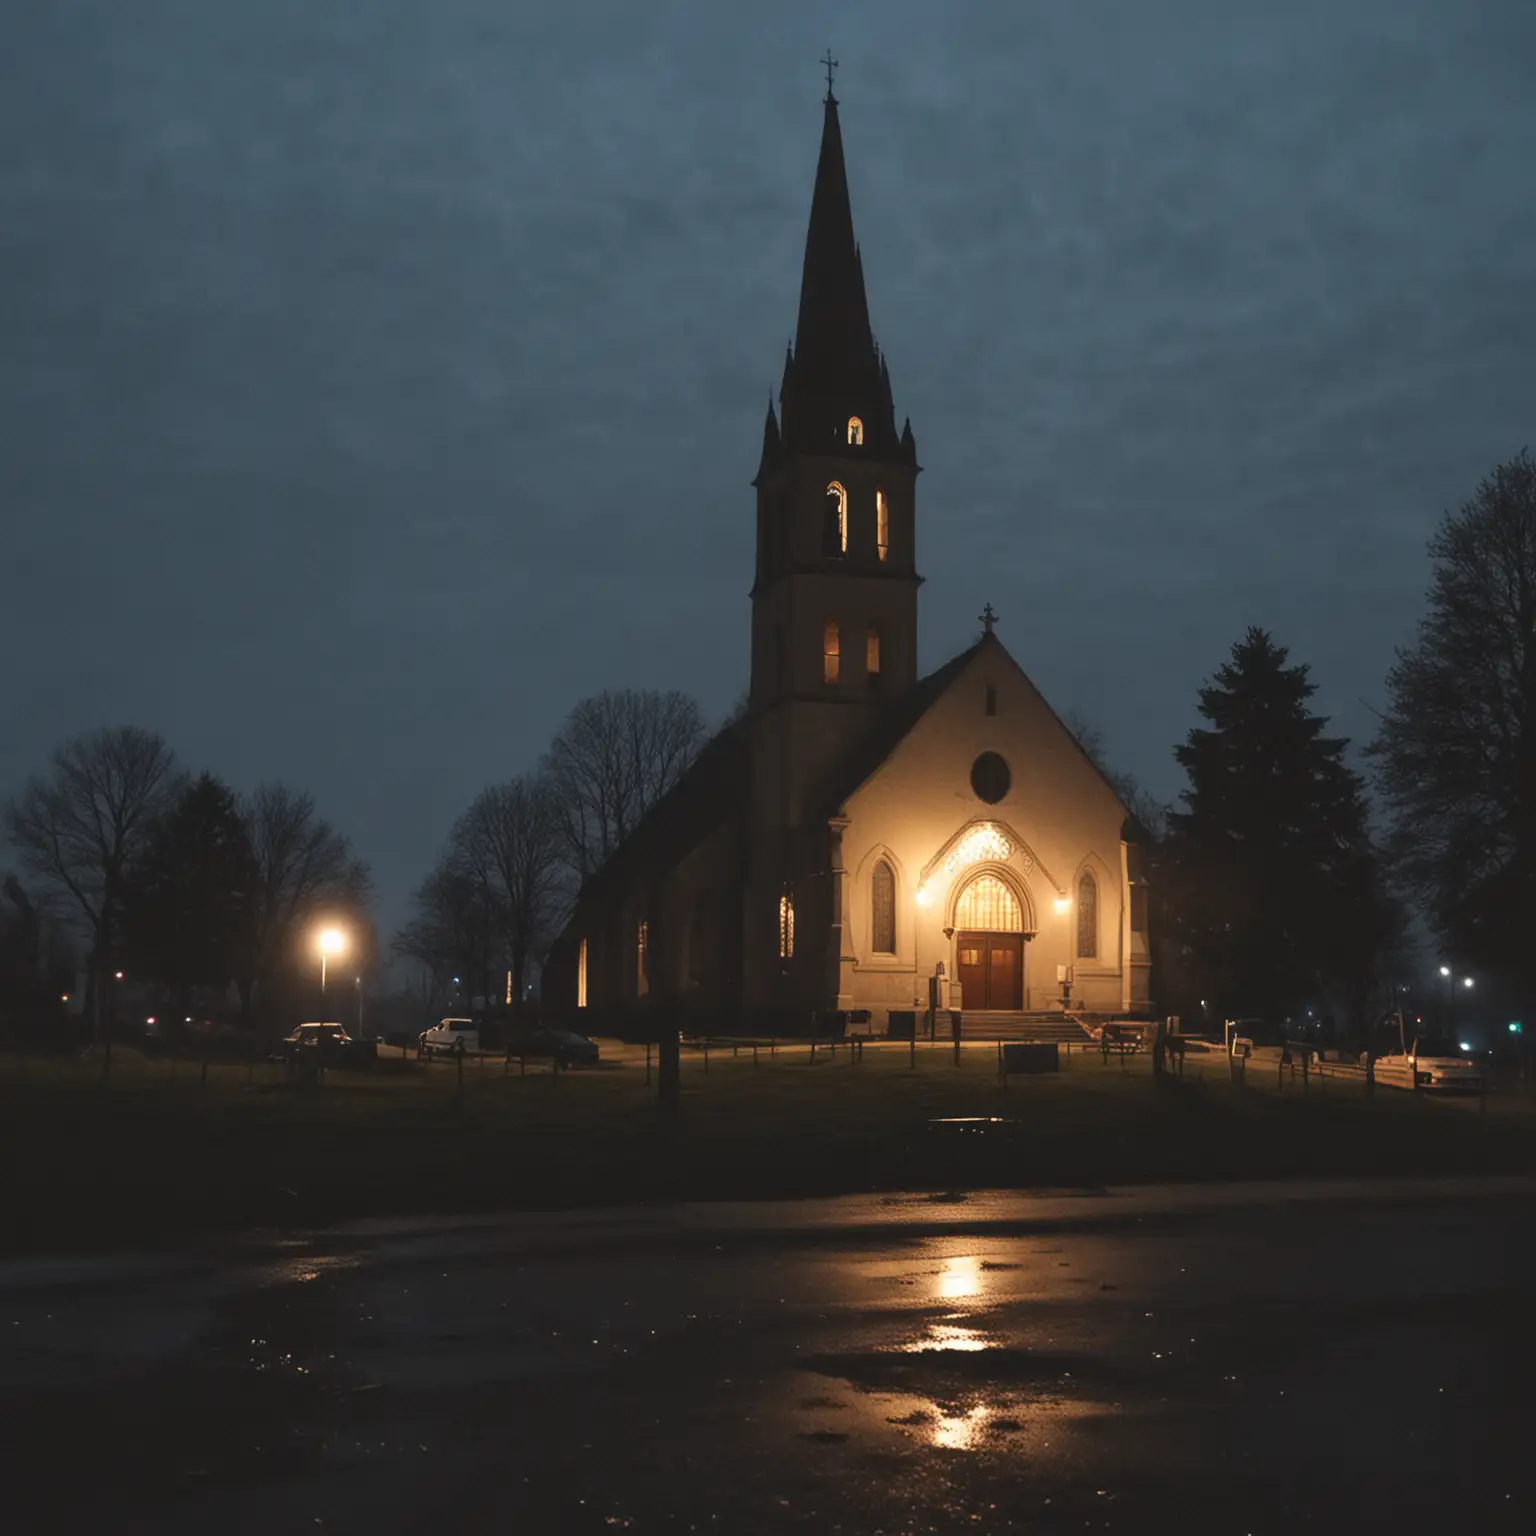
(919, 814)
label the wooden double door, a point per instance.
(991, 969)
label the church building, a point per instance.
(861, 830)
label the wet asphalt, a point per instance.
(1331, 1357)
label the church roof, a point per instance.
(711, 789)
(902, 715)
(906, 712)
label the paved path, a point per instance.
(1339, 1357)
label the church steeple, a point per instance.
(834, 602)
(836, 370)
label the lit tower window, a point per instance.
(872, 654)
(836, 537)
(786, 925)
(829, 652)
(882, 525)
(855, 432)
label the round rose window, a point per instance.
(990, 777)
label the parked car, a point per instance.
(564, 1046)
(1433, 1063)
(449, 1037)
(330, 1042)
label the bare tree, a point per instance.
(510, 840)
(1139, 802)
(304, 866)
(79, 828)
(616, 755)
(1456, 754)
(455, 930)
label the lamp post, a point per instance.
(329, 941)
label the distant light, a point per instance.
(1466, 1045)
(924, 896)
(455, 981)
(150, 1019)
(64, 998)
(189, 1018)
(331, 941)
(119, 976)
(1445, 970)
(1514, 1026)
(1466, 981)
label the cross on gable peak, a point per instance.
(988, 619)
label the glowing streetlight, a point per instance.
(1466, 981)
(1445, 970)
(329, 941)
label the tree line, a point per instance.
(519, 852)
(174, 880)
(1276, 886)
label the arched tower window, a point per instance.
(882, 525)
(872, 654)
(882, 899)
(1087, 917)
(855, 432)
(835, 534)
(581, 975)
(829, 652)
(786, 925)
(989, 905)
(642, 958)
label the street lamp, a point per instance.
(329, 941)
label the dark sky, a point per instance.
(378, 379)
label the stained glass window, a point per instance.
(1087, 917)
(883, 902)
(989, 905)
(786, 925)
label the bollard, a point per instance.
(458, 1056)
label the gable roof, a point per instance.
(893, 728)
(710, 791)
(871, 755)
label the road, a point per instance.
(1222, 1358)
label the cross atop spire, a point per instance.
(831, 64)
(988, 619)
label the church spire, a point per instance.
(833, 345)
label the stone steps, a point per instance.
(976, 1024)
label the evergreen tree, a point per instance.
(190, 902)
(1273, 889)
(1456, 755)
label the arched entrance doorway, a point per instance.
(989, 945)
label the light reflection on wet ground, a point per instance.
(998, 1363)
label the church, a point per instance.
(860, 831)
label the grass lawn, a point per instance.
(154, 1152)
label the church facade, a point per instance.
(861, 830)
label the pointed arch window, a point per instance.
(855, 432)
(882, 525)
(581, 974)
(872, 654)
(1087, 917)
(988, 904)
(882, 901)
(786, 925)
(835, 535)
(830, 653)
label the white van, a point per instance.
(449, 1037)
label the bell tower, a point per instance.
(834, 604)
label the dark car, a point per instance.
(564, 1046)
(330, 1044)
